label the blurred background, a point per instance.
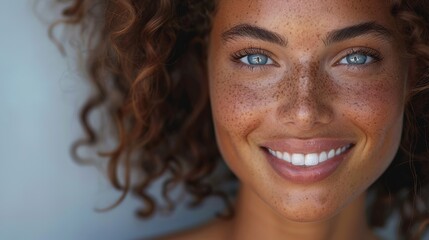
(44, 194)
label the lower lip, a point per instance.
(304, 174)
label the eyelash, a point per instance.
(375, 55)
(236, 56)
(250, 51)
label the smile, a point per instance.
(309, 159)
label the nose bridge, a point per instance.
(306, 78)
(306, 104)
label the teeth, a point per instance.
(286, 157)
(323, 157)
(331, 154)
(298, 159)
(310, 159)
(279, 154)
(338, 151)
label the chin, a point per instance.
(311, 208)
(309, 214)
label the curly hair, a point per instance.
(147, 62)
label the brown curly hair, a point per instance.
(146, 60)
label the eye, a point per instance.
(357, 59)
(253, 57)
(256, 59)
(360, 57)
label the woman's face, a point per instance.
(307, 99)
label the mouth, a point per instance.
(309, 159)
(306, 161)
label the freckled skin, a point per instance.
(306, 95)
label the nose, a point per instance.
(307, 103)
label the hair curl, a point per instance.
(147, 63)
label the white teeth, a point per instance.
(298, 159)
(286, 157)
(331, 154)
(338, 152)
(310, 159)
(279, 154)
(323, 157)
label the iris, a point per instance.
(257, 59)
(356, 58)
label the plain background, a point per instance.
(43, 193)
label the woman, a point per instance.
(309, 102)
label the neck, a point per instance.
(254, 219)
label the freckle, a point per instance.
(323, 200)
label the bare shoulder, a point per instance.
(217, 229)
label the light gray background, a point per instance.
(43, 193)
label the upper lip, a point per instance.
(305, 146)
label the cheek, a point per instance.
(375, 109)
(236, 104)
(375, 106)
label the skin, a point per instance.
(304, 94)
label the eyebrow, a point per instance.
(357, 30)
(247, 30)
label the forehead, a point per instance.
(284, 14)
